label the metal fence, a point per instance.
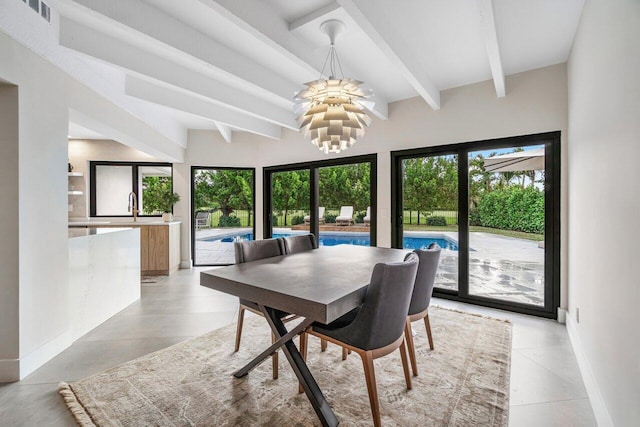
(420, 218)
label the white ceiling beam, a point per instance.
(314, 15)
(258, 19)
(490, 37)
(221, 116)
(116, 52)
(372, 21)
(225, 131)
(185, 44)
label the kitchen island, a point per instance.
(104, 274)
(159, 242)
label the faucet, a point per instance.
(133, 205)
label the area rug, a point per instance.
(464, 381)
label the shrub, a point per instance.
(330, 218)
(437, 220)
(298, 219)
(474, 217)
(229, 221)
(360, 216)
(512, 208)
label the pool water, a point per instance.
(327, 239)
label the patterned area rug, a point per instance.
(463, 382)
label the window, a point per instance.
(112, 183)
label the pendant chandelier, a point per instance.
(332, 111)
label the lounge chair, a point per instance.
(202, 220)
(346, 216)
(367, 217)
(307, 218)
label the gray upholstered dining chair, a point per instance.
(252, 250)
(421, 298)
(375, 329)
(300, 243)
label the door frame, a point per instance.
(551, 142)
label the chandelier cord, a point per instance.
(333, 59)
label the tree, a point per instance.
(224, 189)
(431, 183)
(290, 191)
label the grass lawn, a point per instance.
(508, 233)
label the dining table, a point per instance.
(319, 285)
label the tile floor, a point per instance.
(546, 386)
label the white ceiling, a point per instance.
(234, 65)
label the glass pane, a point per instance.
(223, 213)
(290, 200)
(506, 224)
(346, 199)
(430, 211)
(155, 182)
(113, 185)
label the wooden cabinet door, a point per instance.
(158, 252)
(144, 248)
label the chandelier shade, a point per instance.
(332, 112)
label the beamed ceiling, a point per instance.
(234, 65)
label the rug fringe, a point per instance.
(471, 314)
(80, 414)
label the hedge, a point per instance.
(511, 208)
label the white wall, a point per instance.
(536, 102)
(9, 236)
(604, 206)
(45, 97)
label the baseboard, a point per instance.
(44, 353)
(9, 370)
(185, 265)
(598, 405)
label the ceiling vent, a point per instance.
(40, 7)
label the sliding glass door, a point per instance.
(222, 212)
(430, 211)
(334, 199)
(494, 206)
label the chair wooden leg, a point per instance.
(274, 359)
(303, 351)
(239, 327)
(405, 365)
(408, 337)
(344, 353)
(372, 388)
(427, 325)
(323, 345)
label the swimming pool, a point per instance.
(361, 239)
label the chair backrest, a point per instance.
(321, 212)
(202, 215)
(425, 278)
(346, 211)
(251, 250)
(381, 318)
(300, 243)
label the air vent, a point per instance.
(40, 7)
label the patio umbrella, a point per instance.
(518, 161)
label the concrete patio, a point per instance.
(500, 267)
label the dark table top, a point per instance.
(322, 284)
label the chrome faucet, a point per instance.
(133, 205)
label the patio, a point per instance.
(500, 267)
